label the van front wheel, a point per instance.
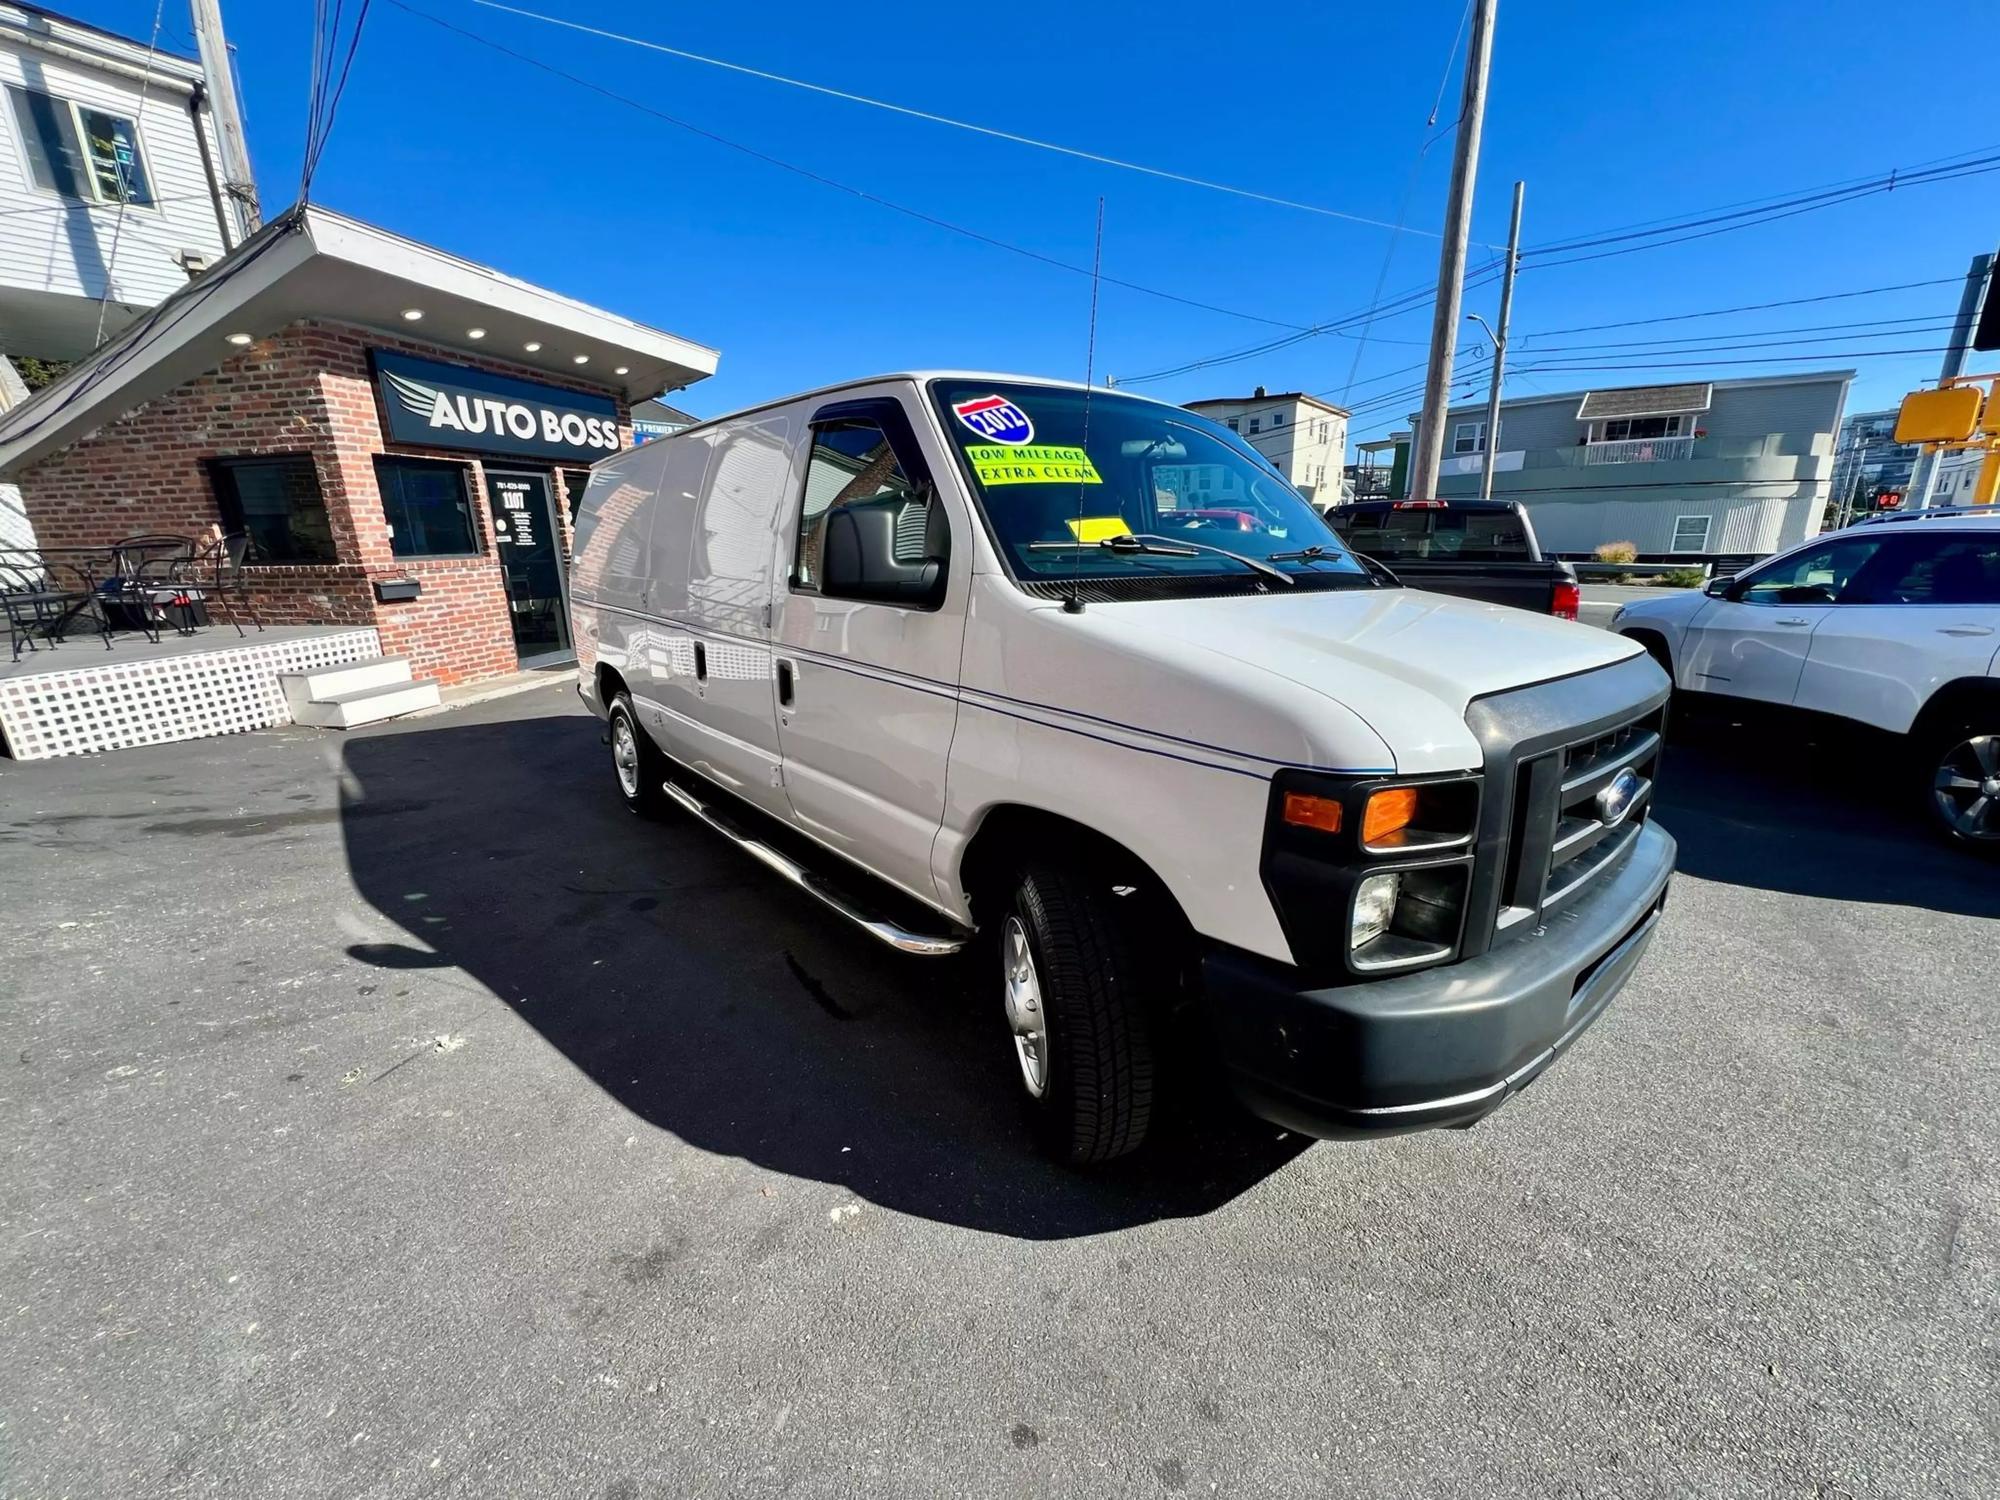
(1071, 974)
(636, 762)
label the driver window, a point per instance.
(854, 473)
(1818, 575)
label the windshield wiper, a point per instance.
(1159, 546)
(1316, 553)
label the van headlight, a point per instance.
(1371, 874)
(1374, 906)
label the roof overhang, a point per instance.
(312, 263)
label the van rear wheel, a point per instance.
(1072, 984)
(636, 762)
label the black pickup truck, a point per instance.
(1475, 549)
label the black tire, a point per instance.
(1097, 1098)
(1967, 746)
(643, 794)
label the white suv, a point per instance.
(1893, 624)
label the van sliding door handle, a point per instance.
(1965, 630)
(785, 683)
(1794, 620)
(700, 662)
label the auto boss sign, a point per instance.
(432, 405)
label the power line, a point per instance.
(935, 119)
(1665, 346)
(825, 181)
(1403, 302)
(1879, 181)
(1779, 359)
(1718, 312)
(1729, 223)
(1768, 198)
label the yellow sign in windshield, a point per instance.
(1028, 463)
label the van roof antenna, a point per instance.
(1074, 603)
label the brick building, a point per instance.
(399, 432)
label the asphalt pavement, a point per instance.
(395, 1115)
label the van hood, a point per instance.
(1406, 663)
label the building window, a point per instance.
(80, 152)
(428, 505)
(1254, 427)
(1277, 419)
(1623, 429)
(1690, 534)
(275, 501)
(1468, 437)
(1232, 424)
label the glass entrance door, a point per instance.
(524, 524)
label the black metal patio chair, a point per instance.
(44, 596)
(212, 573)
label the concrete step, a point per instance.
(324, 683)
(369, 705)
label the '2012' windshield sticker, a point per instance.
(1039, 465)
(994, 418)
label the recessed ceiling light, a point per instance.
(411, 314)
(622, 370)
(239, 339)
(581, 359)
(533, 346)
(475, 333)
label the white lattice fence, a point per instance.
(186, 697)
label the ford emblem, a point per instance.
(1616, 800)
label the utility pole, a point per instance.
(1491, 445)
(1925, 471)
(237, 183)
(1451, 255)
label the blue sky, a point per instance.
(1612, 115)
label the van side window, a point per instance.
(872, 495)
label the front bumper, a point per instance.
(1445, 1046)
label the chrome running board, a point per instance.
(900, 938)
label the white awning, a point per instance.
(314, 263)
(1646, 401)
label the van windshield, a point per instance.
(1148, 490)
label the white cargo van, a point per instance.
(1075, 678)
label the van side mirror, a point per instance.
(1720, 588)
(862, 560)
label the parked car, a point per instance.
(1474, 549)
(1891, 626)
(966, 658)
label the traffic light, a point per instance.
(1886, 499)
(1986, 332)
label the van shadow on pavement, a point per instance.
(715, 1002)
(1765, 808)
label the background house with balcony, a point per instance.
(1699, 469)
(107, 200)
(1304, 437)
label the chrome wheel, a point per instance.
(625, 754)
(1024, 1007)
(1967, 788)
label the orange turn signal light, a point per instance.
(1303, 810)
(1388, 812)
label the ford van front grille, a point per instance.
(1570, 767)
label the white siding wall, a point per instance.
(49, 244)
(1310, 462)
